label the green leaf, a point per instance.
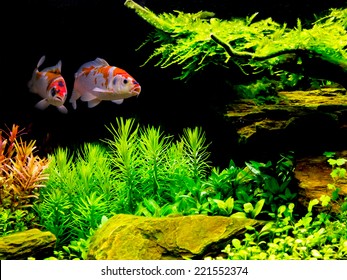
(248, 207)
(258, 207)
(315, 253)
(329, 154)
(332, 161)
(325, 200)
(220, 203)
(249, 227)
(239, 215)
(341, 161)
(267, 227)
(281, 210)
(236, 243)
(229, 205)
(312, 203)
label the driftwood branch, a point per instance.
(314, 64)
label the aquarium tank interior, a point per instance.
(174, 130)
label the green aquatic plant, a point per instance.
(142, 171)
(197, 152)
(16, 221)
(195, 41)
(315, 236)
(79, 192)
(152, 147)
(339, 176)
(149, 164)
(126, 160)
(55, 214)
(320, 237)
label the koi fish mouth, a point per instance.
(136, 90)
(59, 98)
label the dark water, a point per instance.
(77, 31)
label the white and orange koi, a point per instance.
(96, 81)
(50, 85)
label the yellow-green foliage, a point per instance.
(21, 172)
(185, 39)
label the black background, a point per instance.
(77, 31)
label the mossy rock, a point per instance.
(29, 243)
(128, 237)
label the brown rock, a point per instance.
(313, 175)
(301, 120)
(30, 243)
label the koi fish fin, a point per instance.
(31, 82)
(93, 103)
(54, 69)
(87, 96)
(42, 105)
(62, 109)
(98, 62)
(101, 62)
(74, 96)
(42, 59)
(101, 90)
(118, 101)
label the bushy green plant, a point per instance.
(126, 161)
(309, 238)
(312, 237)
(175, 177)
(79, 192)
(150, 165)
(15, 221)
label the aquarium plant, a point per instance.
(143, 171)
(22, 174)
(317, 235)
(166, 175)
(259, 48)
(79, 192)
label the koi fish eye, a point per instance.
(120, 79)
(53, 92)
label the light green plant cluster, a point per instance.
(79, 192)
(321, 236)
(159, 176)
(249, 40)
(151, 165)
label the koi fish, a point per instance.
(96, 81)
(50, 85)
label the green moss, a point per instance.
(194, 41)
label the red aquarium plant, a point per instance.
(21, 172)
